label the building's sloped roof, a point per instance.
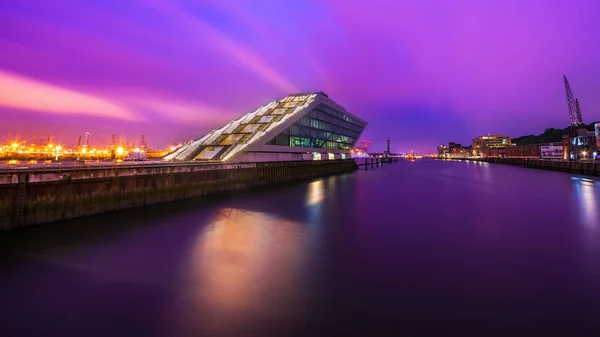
(224, 143)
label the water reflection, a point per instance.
(315, 195)
(225, 278)
(423, 241)
(586, 190)
(316, 192)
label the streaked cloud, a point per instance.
(210, 37)
(177, 110)
(28, 94)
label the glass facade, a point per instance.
(323, 127)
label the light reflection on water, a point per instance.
(586, 191)
(316, 192)
(240, 259)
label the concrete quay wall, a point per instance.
(586, 168)
(30, 197)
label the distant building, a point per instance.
(442, 151)
(547, 151)
(454, 148)
(490, 141)
(466, 151)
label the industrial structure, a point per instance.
(581, 143)
(573, 105)
(387, 153)
(31, 149)
(297, 127)
(361, 150)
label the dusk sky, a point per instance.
(420, 72)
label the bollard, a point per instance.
(366, 164)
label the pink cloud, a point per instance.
(24, 93)
(175, 109)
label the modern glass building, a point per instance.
(298, 127)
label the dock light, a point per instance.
(119, 150)
(58, 148)
(584, 153)
(137, 149)
(84, 150)
(15, 145)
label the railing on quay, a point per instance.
(74, 165)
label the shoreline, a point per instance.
(585, 168)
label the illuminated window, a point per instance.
(231, 139)
(265, 119)
(209, 152)
(250, 128)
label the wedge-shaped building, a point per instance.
(298, 127)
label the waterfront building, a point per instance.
(297, 127)
(457, 150)
(532, 151)
(442, 151)
(492, 141)
(465, 151)
(454, 148)
(582, 146)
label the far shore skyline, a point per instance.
(421, 73)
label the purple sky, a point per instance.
(421, 72)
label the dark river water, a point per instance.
(412, 249)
